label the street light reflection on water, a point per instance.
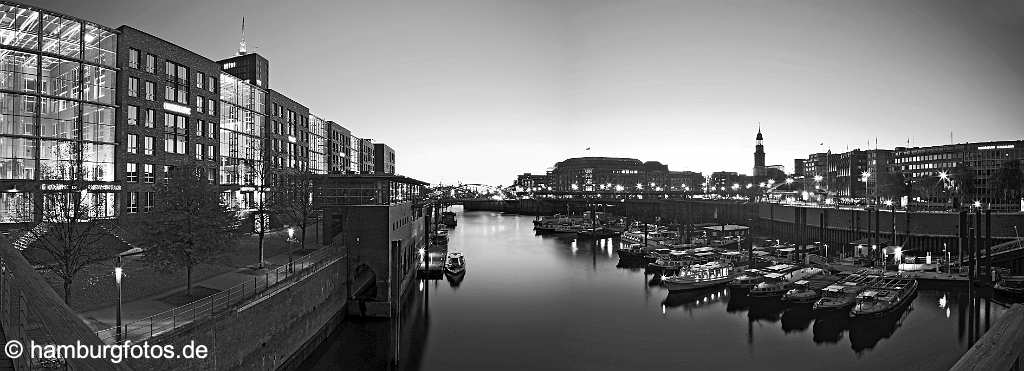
(554, 302)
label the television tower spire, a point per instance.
(241, 44)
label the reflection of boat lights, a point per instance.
(942, 301)
(947, 312)
(663, 309)
(421, 285)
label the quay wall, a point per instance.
(928, 231)
(275, 332)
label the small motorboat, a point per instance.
(748, 279)
(632, 251)
(455, 263)
(801, 293)
(883, 296)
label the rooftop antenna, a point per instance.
(241, 44)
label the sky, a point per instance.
(478, 91)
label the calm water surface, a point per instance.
(552, 303)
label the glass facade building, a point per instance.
(57, 113)
(242, 116)
(317, 145)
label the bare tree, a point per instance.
(292, 200)
(189, 224)
(69, 228)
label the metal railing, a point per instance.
(259, 286)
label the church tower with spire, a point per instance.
(759, 170)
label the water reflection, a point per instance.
(554, 302)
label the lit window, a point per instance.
(133, 115)
(133, 58)
(147, 173)
(131, 172)
(133, 87)
(133, 143)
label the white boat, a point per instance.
(701, 276)
(776, 284)
(883, 296)
(455, 263)
(843, 294)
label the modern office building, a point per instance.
(980, 162)
(366, 160)
(287, 135)
(249, 67)
(383, 159)
(113, 111)
(318, 150)
(242, 120)
(58, 91)
(339, 144)
(168, 116)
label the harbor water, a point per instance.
(554, 303)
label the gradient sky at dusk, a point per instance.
(479, 91)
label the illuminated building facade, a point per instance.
(58, 92)
(980, 161)
(317, 145)
(593, 174)
(115, 110)
(242, 119)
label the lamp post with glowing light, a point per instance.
(117, 280)
(291, 243)
(864, 176)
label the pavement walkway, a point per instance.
(104, 318)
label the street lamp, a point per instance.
(118, 273)
(291, 242)
(948, 260)
(864, 176)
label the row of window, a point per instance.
(146, 174)
(175, 72)
(133, 202)
(173, 143)
(202, 127)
